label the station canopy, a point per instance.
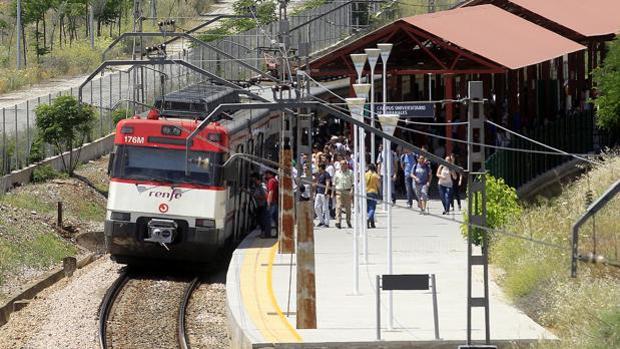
(575, 19)
(469, 40)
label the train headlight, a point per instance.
(120, 216)
(205, 223)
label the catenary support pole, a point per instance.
(306, 289)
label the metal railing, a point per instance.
(18, 143)
(573, 134)
(322, 27)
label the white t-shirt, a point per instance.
(447, 180)
(331, 170)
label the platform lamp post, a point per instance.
(359, 62)
(356, 106)
(361, 91)
(385, 50)
(373, 57)
(388, 123)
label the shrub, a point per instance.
(44, 173)
(65, 124)
(120, 114)
(37, 150)
(502, 205)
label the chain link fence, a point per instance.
(116, 89)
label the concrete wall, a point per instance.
(548, 184)
(89, 151)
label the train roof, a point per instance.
(195, 101)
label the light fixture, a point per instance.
(389, 122)
(385, 51)
(359, 61)
(361, 90)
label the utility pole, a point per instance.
(476, 210)
(286, 217)
(18, 24)
(91, 25)
(306, 287)
(138, 92)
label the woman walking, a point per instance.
(421, 174)
(373, 187)
(444, 174)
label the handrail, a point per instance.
(590, 211)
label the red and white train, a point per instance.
(155, 210)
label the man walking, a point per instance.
(343, 183)
(260, 198)
(321, 200)
(272, 197)
(407, 161)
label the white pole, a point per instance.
(430, 86)
(388, 160)
(18, 24)
(389, 123)
(362, 169)
(356, 207)
(355, 106)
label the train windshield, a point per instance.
(167, 165)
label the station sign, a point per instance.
(408, 110)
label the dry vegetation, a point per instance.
(30, 242)
(584, 312)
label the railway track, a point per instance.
(140, 311)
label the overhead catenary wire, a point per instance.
(274, 166)
(340, 106)
(539, 143)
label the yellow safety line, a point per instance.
(260, 304)
(274, 302)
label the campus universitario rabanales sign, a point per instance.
(408, 110)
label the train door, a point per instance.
(246, 185)
(237, 196)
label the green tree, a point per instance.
(607, 78)
(502, 205)
(262, 11)
(65, 124)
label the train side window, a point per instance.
(237, 165)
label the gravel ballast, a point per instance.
(64, 315)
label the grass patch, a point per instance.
(28, 201)
(34, 251)
(583, 312)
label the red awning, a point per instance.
(589, 18)
(495, 34)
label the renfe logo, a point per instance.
(174, 194)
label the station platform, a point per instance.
(261, 291)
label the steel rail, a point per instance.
(106, 306)
(181, 331)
